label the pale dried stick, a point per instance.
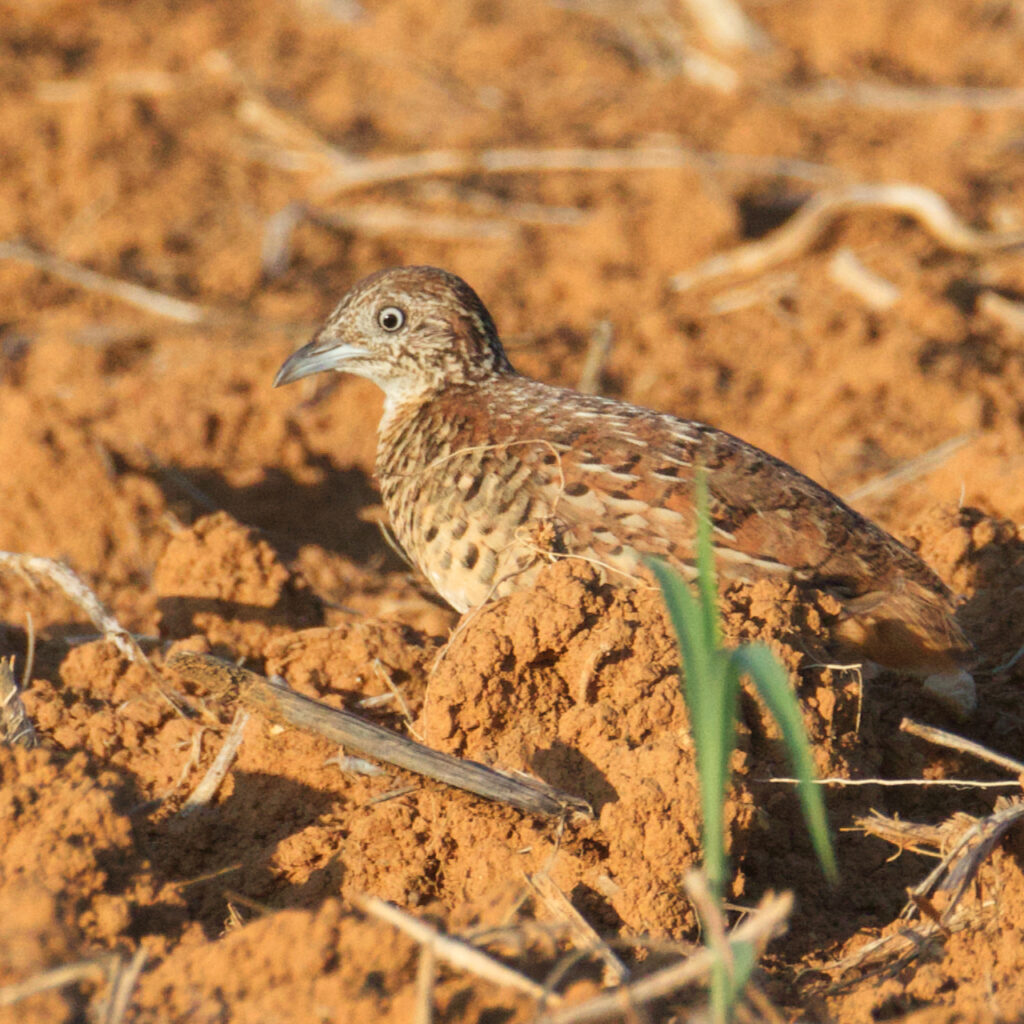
(912, 98)
(723, 23)
(349, 172)
(124, 978)
(134, 294)
(225, 681)
(81, 595)
(15, 726)
(453, 951)
(520, 210)
(762, 925)
(582, 932)
(695, 884)
(950, 740)
(396, 693)
(909, 470)
(396, 220)
(426, 975)
(806, 226)
(58, 977)
(1005, 311)
(767, 288)
(210, 782)
(847, 271)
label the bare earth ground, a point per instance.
(158, 143)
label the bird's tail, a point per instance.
(909, 627)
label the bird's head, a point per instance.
(411, 330)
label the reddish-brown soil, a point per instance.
(154, 142)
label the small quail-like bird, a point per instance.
(488, 475)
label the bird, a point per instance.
(488, 475)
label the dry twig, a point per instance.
(348, 173)
(950, 740)
(210, 782)
(579, 928)
(910, 470)
(723, 23)
(965, 843)
(58, 977)
(1004, 311)
(847, 271)
(763, 924)
(34, 566)
(806, 226)
(453, 951)
(134, 294)
(912, 99)
(124, 978)
(598, 349)
(225, 681)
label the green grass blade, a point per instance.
(687, 621)
(707, 583)
(710, 688)
(772, 684)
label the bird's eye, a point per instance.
(391, 318)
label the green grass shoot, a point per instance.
(711, 686)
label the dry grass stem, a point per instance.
(948, 739)
(349, 173)
(210, 782)
(16, 727)
(723, 24)
(426, 975)
(763, 924)
(1004, 311)
(912, 99)
(391, 794)
(124, 978)
(602, 337)
(403, 222)
(453, 951)
(579, 928)
(58, 977)
(399, 697)
(806, 226)
(768, 288)
(846, 270)
(912, 469)
(34, 566)
(125, 291)
(964, 843)
(520, 210)
(712, 923)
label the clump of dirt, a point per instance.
(223, 580)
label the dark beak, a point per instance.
(322, 353)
